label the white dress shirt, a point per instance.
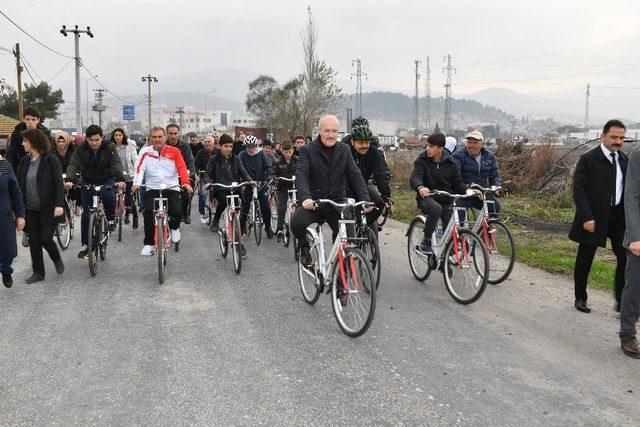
(607, 154)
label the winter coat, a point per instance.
(318, 177)
(488, 173)
(592, 192)
(202, 159)
(131, 154)
(66, 160)
(443, 176)
(11, 204)
(213, 174)
(373, 165)
(257, 166)
(15, 150)
(108, 163)
(50, 186)
(285, 170)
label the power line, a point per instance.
(55, 10)
(29, 72)
(61, 70)
(103, 86)
(29, 64)
(33, 38)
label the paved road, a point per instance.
(212, 347)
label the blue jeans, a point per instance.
(264, 206)
(202, 200)
(108, 200)
(5, 265)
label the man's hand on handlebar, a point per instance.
(424, 191)
(309, 205)
(68, 185)
(207, 185)
(121, 185)
(135, 188)
(188, 188)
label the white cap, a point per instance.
(476, 134)
(450, 143)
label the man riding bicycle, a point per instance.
(98, 163)
(285, 167)
(160, 164)
(258, 167)
(201, 162)
(173, 140)
(371, 163)
(223, 168)
(321, 170)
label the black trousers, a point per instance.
(128, 200)
(221, 204)
(303, 218)
(375, 197)
(283, 197)
(174, 210)
(586, 252)
(40, 236)
(434, 210)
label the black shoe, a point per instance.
(269, 233)
(243, 252)
(112, 225)
(305, 257)
(84, 252)
(35, 277)
(59, 266)
(7, 280)
(425, 248)
(135, 222)
(581, 305)
(25, 239)
(126, 220)
(280, 237)
(214, 227)
(186, 219)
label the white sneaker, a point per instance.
(147, 250)
(175, 236)
(203, 220)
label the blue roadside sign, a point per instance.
(128, 112)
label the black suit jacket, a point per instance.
(50, 186)
(592, 193)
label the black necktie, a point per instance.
(615, 179)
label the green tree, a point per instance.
(41, 96)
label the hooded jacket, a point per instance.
(107, 162)
(373, 165)
(15, 150)
(443, 176)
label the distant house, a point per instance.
(7, 124)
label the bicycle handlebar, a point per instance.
(233, 185)
(282, 178)
(492, 189)
(342, 205)
(470, 193)
(163, 187)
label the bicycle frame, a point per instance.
(160, 205)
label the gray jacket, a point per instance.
(632, 200)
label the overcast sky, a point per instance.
(532, 46)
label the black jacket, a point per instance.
(443, 176)
(15, 150)
(214, 175)
(284, 170)
(66, 160)
(373, 165)
(317, 177)
(196, 148)
(50, 186)
(592, 193)
(108, 164)
(187, 155)
(202, 159)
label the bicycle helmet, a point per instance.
(252, 141)
(359, 121)
(361, 133)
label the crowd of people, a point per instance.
(39, 167)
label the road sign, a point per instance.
(128, 112)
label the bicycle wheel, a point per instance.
(353, 293)
(286, 236)
(120, 220)
(104, 238)
(223, 238)
(382, 219)
(70, 206)
(466, 271)
(371, 250)
(63, 231)
(93, 242)
(502, 251)
(273, 210)
(161, 250)
(236, 243)
(310, 279)
(207, 214)
(257, 229)
(418, 261)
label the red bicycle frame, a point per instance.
(167, 235)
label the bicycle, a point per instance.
(161, 231)
(497, 239)
(459, 249)
(230, 233)
(292, 205)
(346, 270)
(209, 206)
(121, 209)
(254, 217)
(98, 238)
(65, 230)
(367, 241)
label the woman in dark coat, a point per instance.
(11, 216)
(40, 178)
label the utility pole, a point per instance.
(447, 88)
(358, 75)
(76, 32)
(98, 107)
(180, 113)
(427, 113)
(16, 53)
(416, 121)
(149, 79)
(586, 112)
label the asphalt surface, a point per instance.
(213, 347)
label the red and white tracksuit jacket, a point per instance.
(157, 170)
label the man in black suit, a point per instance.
(598, 190)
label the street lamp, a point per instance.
(86, 81)
(205, 109)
